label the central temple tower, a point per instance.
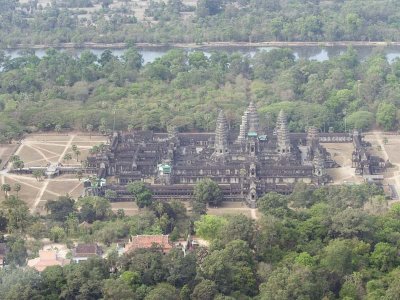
(282, 133)
(221, 137)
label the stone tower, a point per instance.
(253, 121)
(221, 136)
(312, 137)
(319, 163)
(243, 128)
(282, 133)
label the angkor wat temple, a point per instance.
(246, 165)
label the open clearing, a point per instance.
(41, 150)
(388, 150)
(341, 153)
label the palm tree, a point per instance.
(38, 174)
(17, 188)
(77, 153)
(67, 157)
(385, 140)
(79, 175)
(58, 128)
(89, 128)
(95, 149)
(6, 188)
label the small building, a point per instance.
(52, 171)
(47, 258)
(83, 252)
(149, 241)
(3, 252)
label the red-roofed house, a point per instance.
(148, 241)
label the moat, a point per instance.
(318, 53)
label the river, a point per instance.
(303, 52)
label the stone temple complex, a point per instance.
(245, 164)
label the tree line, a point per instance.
(65, 21)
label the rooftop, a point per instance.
(47, 258)
(148, 241)
(85, 250)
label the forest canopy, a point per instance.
(186, 89)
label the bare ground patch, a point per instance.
(130, 208)
(6, 150)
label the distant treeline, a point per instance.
(209, 21)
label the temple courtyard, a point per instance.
(41, 150)
(44, 149)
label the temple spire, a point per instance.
(243, 128)
(253, 121)
(282, 132)
(221, 136)
(312, 136)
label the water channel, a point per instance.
(303, 52)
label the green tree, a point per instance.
(17, 188)
(117, 289)
(77, 154)
(232, 268)
(205, 192)
(274, 204)
(141, 193)
(89, 128)
(17, 214)
(204, 290)
(67, 157)
(299, 282)
(362, 120)
(6, 188)
(58, 128)
(337, 257)
(61, 208)
(38, 174)
(384, 256)
(94, 208)
(386, 116)
(18, 164)
(209, 226)
(57, 234)
(163, 291)
(238, 227)
(79, 175)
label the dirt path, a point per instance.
(396, 174)
(253, 212)
(379, 138)
(41, 149)
(38, 151)
(39, 196)
(67, 146)
(73, 190)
